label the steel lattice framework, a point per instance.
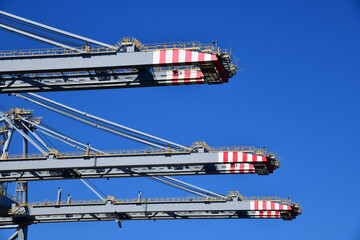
(126, 64)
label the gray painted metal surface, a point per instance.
(77, 62)
(115, 166)
(139, 210)
(100, 80)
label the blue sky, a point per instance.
(298, 94)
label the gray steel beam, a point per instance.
(117, 172)
(7, 143)
(145, 209)
(27, 34)
(98, 119)
(56, 30)
(101, 80)
(14, 236)
(94, 124)
(13, 125)
(124, 166)
(90, 62)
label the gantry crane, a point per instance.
(126, 64)
(157, 163)
(166, 158)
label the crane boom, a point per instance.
(127, 64)
(134, 164)
(235, 207)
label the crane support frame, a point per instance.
(96, 166)
(151, 209)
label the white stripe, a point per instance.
(227, 167)
(168, 56)
(260, 205)
(169, 75)
(277, 206)
(240, 157)
(156, 57)
(221, 157)
(268, 205)
(182, 56)
(230, 157)
(252, 205)
(246, 166)
(259, 158)
(207, 57)
(193, 74)
(194, 56)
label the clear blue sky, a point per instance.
(298, 95)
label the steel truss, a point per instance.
(125, 65)
(234, 206)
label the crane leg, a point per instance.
(22, 233)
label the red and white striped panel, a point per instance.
(268, 206)
(179, 56)
(267, 214)
(184, 77)
(240, 168)
(234, 157)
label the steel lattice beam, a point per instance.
(100, 80)
(50, 167)
(147, 209)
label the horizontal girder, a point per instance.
(100, 166)
(145, 209)
(106, 61)
(102, 80)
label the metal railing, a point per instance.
(191, 199)
(126, 41)
(53, 52)
(147, 151)
(94, 73)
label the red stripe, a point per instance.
(175, 57)
(213, 57)
(226, 159)
(175, 77)
(264, 205)
(242, 168)
(235, 156)
(264, 159)
(256, 205)
(277, 214)
(254, 158)
(272, 206)
(281, 207)
(261, 214)
(232, 168)
(187, 77)
(244, 157)
(199, 79)
(162, 57)
(201, 57)
(188, 57)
